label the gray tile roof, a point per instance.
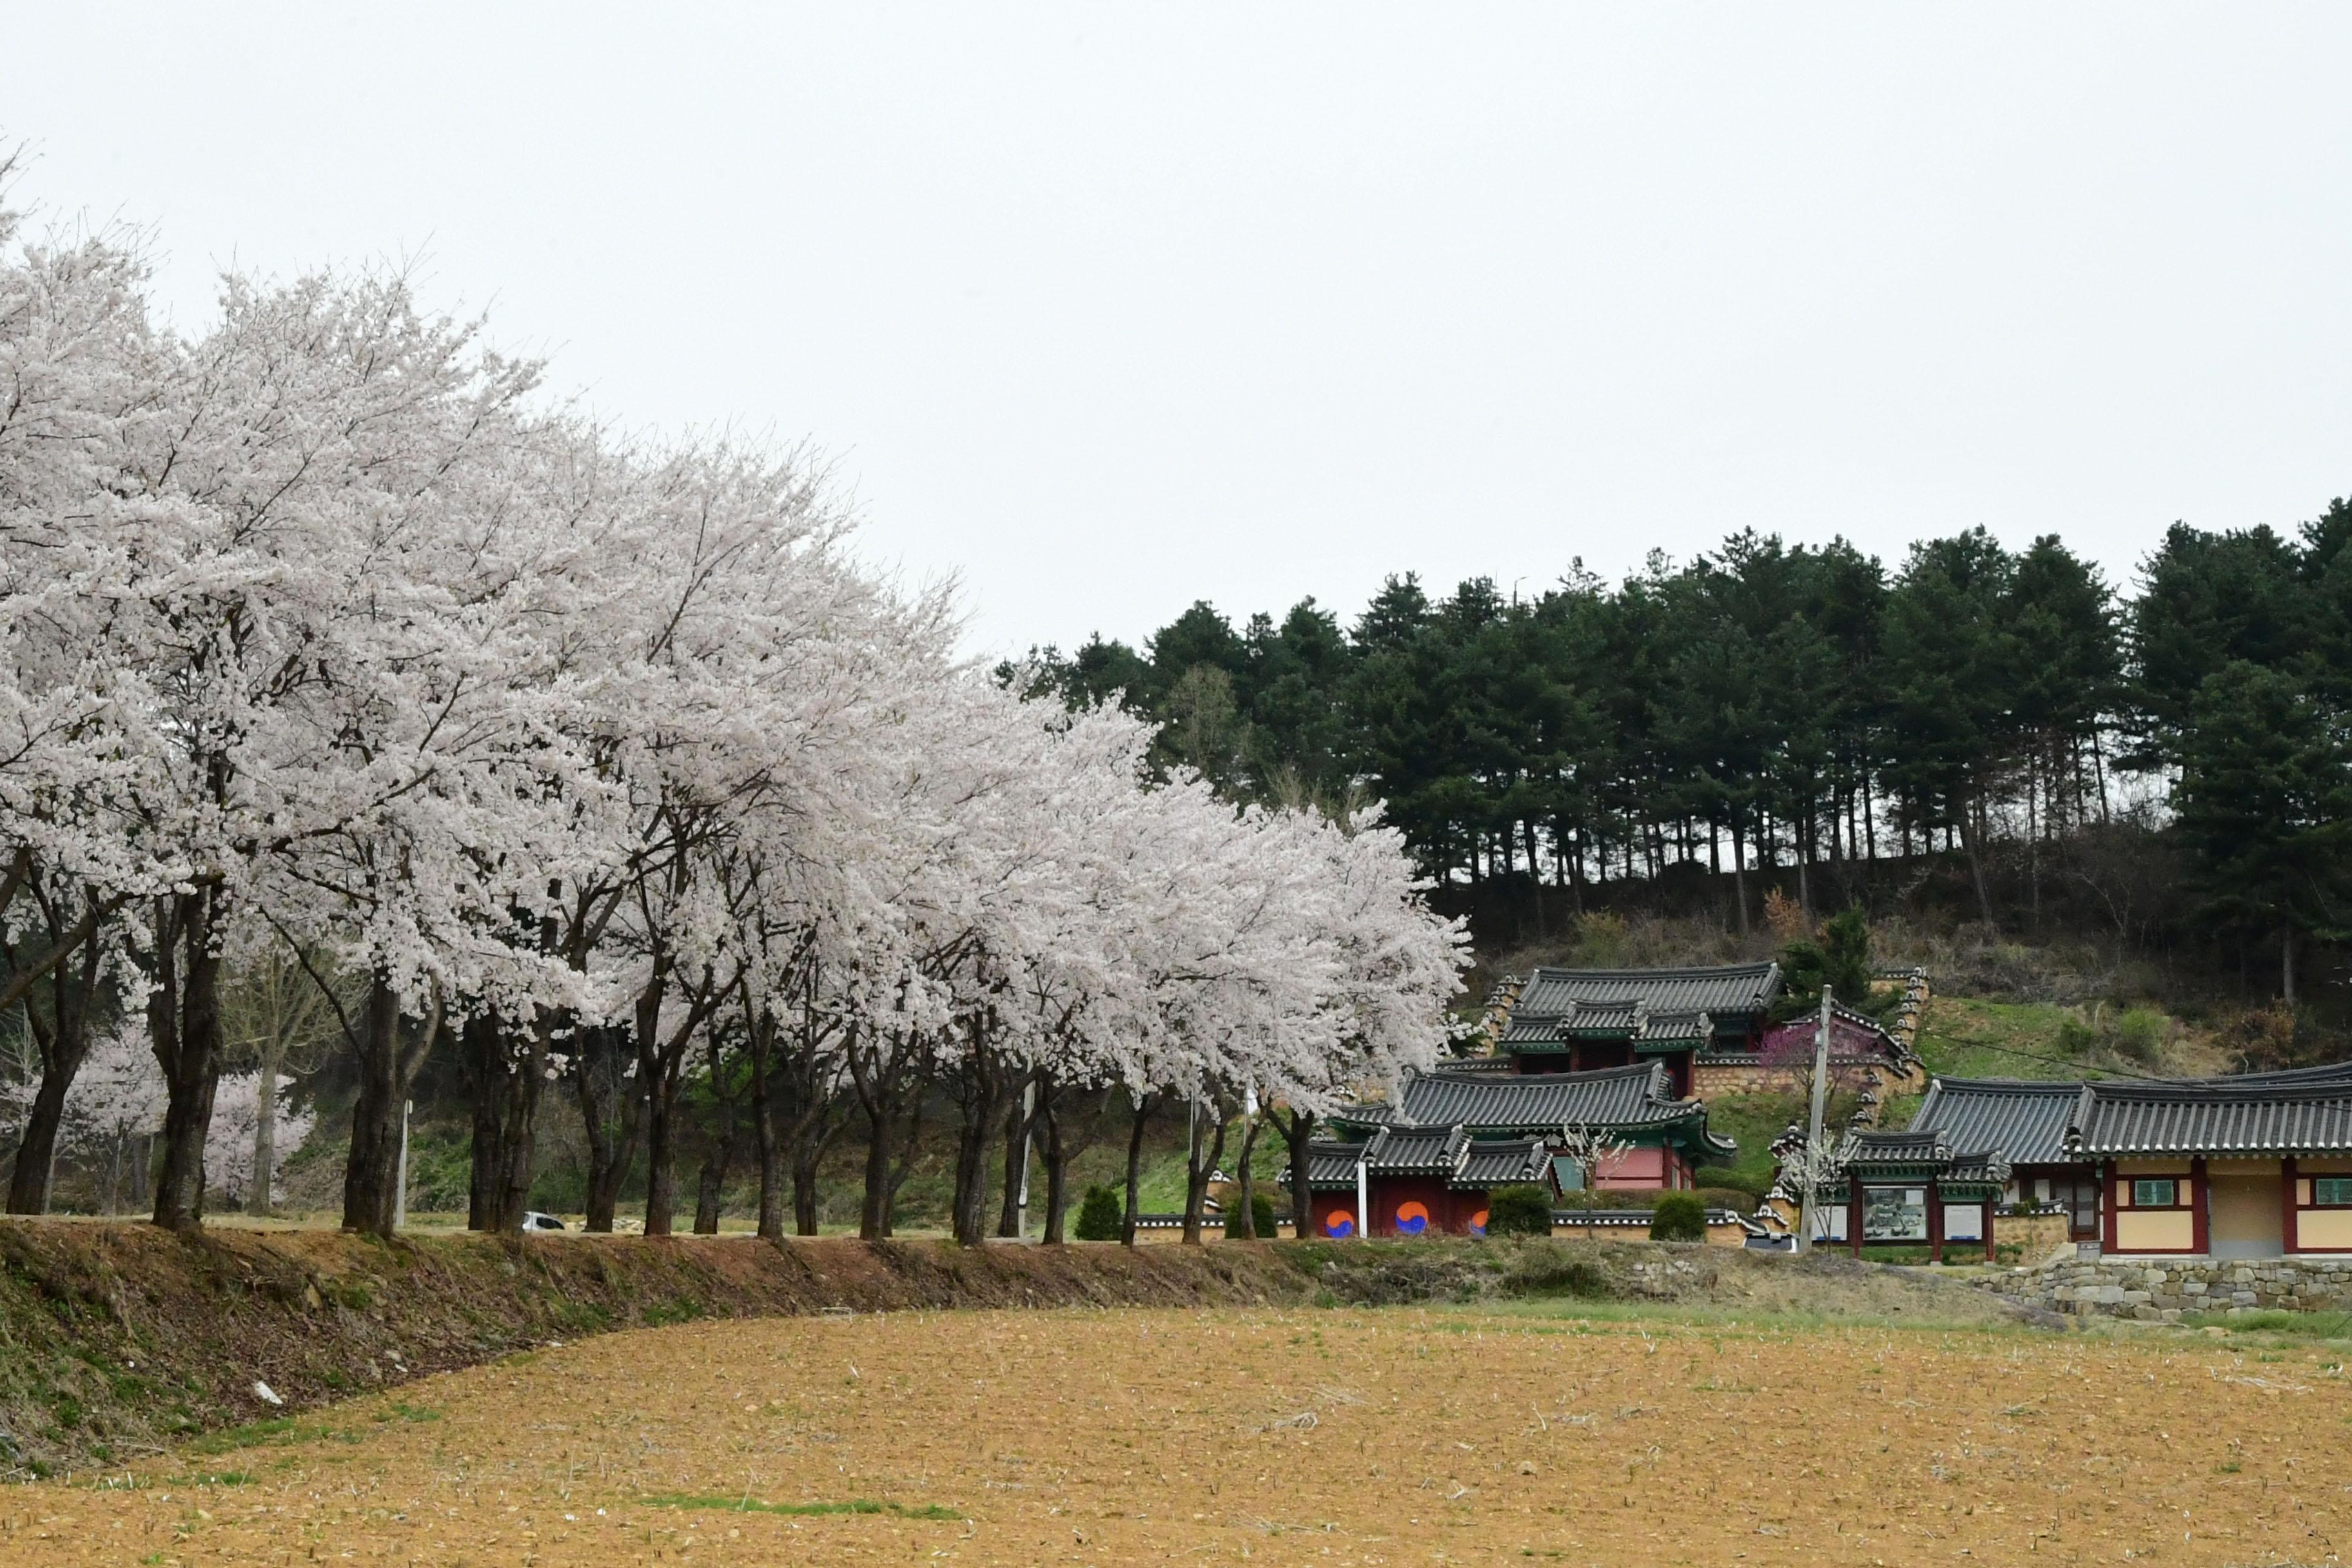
(1504, 1164)
(1635, 1096)
(1864, 1148)
(2326, 1072)
(2029, 1119)
(1447, 1152)
(1874, 1156)
(1728, 989)
(1421, 1150)
(1332, 1165)
(2303, 1115)
(2024, 1120)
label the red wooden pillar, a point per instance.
(2110, 1197)
(1935, 1222)
(2203, 1212)
(2287, 1208)
(1854, 1215)
(1989, 1208)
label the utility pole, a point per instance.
(1805, 1219)
(400, 1194)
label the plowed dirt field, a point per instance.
(1306, 1437)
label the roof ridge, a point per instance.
(1677, 970)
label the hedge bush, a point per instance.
(1261, 1210)
(1103, 1216)
(1679, 1217)
(1520, 1211)
(1724, 1176)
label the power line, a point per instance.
(2060, 1061)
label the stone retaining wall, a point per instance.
(2158, 1289)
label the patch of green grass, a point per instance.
(214, 1478)
(2295, 1325)
(411, 1413)
(255, 1434)
(1634, 1317)
(1896, 1114)
(662, 1314)
(800, 1510)
(1961, 1036)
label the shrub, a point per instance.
(1261, 1211)
(1543, 1272)
(2140, 1035)
(1679, 1217)
(1102, 1217)
(1752, 1183)
(1520, 1211)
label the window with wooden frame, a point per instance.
(2331, 1192)
(2156, 1193)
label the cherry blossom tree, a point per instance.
(325, 638)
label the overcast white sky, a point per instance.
(1107, 309)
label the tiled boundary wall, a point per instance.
(2160, 1289)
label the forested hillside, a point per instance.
(2001, 735)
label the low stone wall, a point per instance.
(2160, 1289)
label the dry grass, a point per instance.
(1274, 1435)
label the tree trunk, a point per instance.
(36, 1150)
(710, 1188)
(387, 1071)
(711, 1184)
(183, 1018)
(489, 1072)
(985, 1114)
(1197, 1172)
(763, 1132)
(2286, 963)
(265, 1129)
(1740, 874)
(63, 1041)
(1135, 1168)
(1976, 863)
(905, 1166)
(807, 1154)
(1248, 1192)
(1057, 1171)
(505, 1090)
(657, 1074)
(1297, 1135)
(611, 1144)
(1017, 1120)
(874, 1207)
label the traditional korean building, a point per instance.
(1425, 1160)
(2026, 1121)
(1420, 1181)
(2261, 1169)
(1577, 1020)
(1896, 1189)
(2257, 1165)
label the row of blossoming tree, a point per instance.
(602, 765)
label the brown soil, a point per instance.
(1268, 1434)
(116, 1339)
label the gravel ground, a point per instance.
(1297, 1435)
